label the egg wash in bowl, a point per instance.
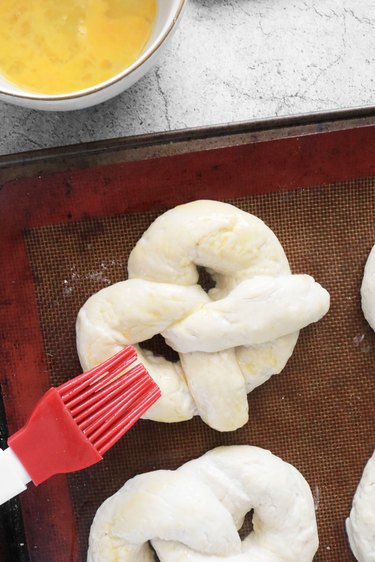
(50, 47)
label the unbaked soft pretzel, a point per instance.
(230, 340)
(368, 289)
(193, 514)
(360, 525)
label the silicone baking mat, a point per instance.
(71, 236)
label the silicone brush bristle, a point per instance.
(107, 400)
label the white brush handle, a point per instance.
(13, 476)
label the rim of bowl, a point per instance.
(117, 78)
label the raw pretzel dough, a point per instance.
(360, 525)
(368, 289)
(230, 340)
(193, 514)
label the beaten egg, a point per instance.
(61, 46)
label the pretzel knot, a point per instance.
(230, 340)
(193, 514)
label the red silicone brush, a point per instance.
(73, 425)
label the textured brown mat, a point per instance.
(318, 414)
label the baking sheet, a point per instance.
(318, 414)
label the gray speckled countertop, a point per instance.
(230, 60)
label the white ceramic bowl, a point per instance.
(169, 14)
